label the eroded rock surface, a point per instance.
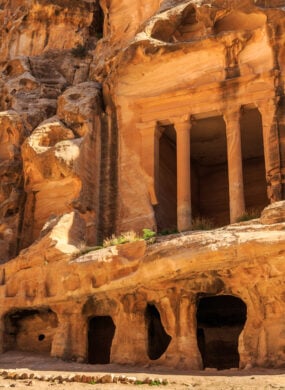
(120, 115)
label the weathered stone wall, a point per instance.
(120, 115)
(243, 261)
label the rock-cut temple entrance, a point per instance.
(209, 170)
(220, 320)
(101, 332)
(166, 178)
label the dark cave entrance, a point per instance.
(209, 170)
(96, 28)
(254, 173)
(101, 332)
(220, 320)
(166, 181)
(30, 330)
(158, 340)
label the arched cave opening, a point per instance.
(254, 174)
(101, 331)
(158, 340)
(220, 320)
(166, 181)
(96, 28)
(30, 330)
(209, 170)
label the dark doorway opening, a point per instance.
(209, 170)
(97, 26)
(30, 330)
(254, 174)
(100, 336)
(166, 182)
(220, 320)
(158, 339)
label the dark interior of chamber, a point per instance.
(101, 330)
(209, 170)
(220, 320)
(157, 338)
(166, 182)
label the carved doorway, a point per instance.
(254, 174)
(209, 170)
(158, 339)
(101, 332)
(166, 181)
(220, 320)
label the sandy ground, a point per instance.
(178, 380)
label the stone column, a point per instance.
(271, 141)
(70, 340)
(150, 134)
(183, 175)
(130, 340)
(187, 333)
(235, 170)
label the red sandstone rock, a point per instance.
(124, 115)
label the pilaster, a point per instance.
(183, 175)
(235, 169)
(271, 144)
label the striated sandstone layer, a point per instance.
(119, 115)
(51, 313)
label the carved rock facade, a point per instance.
(112, 123)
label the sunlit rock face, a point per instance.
(125, 115)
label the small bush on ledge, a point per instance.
(123, 238)
(249, 215)
(149, 235)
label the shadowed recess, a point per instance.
(101, 332)
(30, 330)
(158, 339)
(166, 182)
(220, 320)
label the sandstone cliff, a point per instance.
(121, 115)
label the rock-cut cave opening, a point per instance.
(220, 320)
(30, 330)
(157, 338)
(101, 331)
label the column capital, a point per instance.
(146, 127)
(182, 126)
(267, 107)
(150, 129)
(176, 120)
(232, 114)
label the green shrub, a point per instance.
(123, 238)
(148, 234)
